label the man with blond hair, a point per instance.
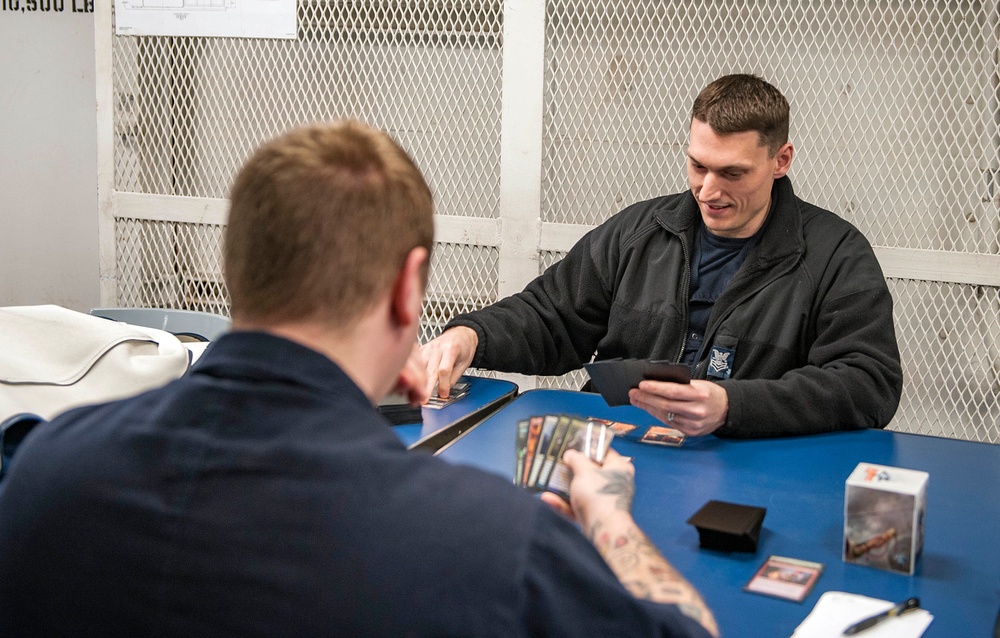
(262, 494)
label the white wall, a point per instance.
(48, 148)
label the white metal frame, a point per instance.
(517, 232)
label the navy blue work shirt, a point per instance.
(262, 495)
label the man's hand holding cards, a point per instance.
(543, 440)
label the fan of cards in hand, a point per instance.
(541, 443)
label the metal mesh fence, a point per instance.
(190, 110)
(949, 338)
(170, 265)
(463, 279)
(895, 124)
(894, 120)
(894, 107)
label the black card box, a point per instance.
(728, 527)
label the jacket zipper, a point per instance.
(686, 287)
(710, 334)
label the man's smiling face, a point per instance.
(731, 177)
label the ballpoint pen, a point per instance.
(895, 610)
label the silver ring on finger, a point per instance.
(671, 416)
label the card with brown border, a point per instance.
(788, 578)
(660, 435)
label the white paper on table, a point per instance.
(835, 611)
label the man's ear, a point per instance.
(408, 289)
(783, 160)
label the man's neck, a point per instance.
(357, 352)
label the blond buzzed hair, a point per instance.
(321, 221)
(741, 102)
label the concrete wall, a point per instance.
(48, 148)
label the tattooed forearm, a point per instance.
(620, 485)
(644, 571)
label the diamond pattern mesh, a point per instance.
(170, 265)
(894, 107)
(949, 342)
(895, 122)
(188, 111)
(463, 278)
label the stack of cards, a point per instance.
(613, 378)
(397, 409)
(541, 443)
(660, 435)
(458, 391)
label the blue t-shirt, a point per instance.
(714, 261)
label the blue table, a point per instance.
(801, 483)
(439, 426)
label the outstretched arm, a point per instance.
(446, 357)
(601, 501)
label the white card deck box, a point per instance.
(884, 510)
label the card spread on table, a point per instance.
(788, 578)
(542, 441)
(618, 427)
(613, 378)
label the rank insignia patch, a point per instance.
(720, 363)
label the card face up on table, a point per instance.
(613, 378)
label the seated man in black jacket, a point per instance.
(779, 307)
(262, 494)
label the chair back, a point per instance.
(198, 326)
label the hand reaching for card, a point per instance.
(447, 357)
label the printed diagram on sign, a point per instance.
(183, 5)
(207, 18)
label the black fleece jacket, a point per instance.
(808, 316)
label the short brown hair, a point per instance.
(739, 103)
(321, 220)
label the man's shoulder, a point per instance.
(648, 214)
(835, 245)
(824, 229)
(816, 219)
(661, 205)
(78, 425)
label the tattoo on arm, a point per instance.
(620, 485)
(644, 571)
